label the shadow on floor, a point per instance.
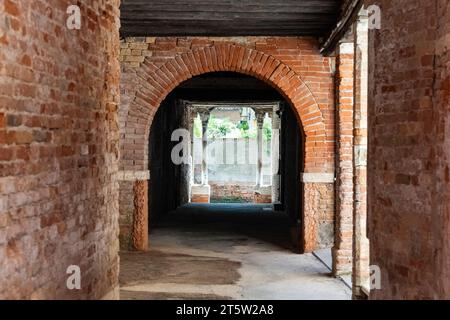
(257, 221)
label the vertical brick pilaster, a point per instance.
(342, 251)
(310, 219)
(140, 217)
(318, 211)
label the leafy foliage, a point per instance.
(197, 128)
(220, 128)
(267, 131)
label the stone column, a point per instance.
(360, 274)
(191, 121)
(201, 193)
(276, 126)
(204, 115)
(262, 194)
(260, 121)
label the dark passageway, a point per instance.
(256, 221)
(172, 184)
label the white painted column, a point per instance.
(192, 116)
(275, 159)
(204, 115)
(201, 193)
(260, 121)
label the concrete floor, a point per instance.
(225, 251)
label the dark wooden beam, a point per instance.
(228, 17)
(348, 17)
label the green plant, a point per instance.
(243, 125)
(219, 128)
(245, 130)
(197, 128)
(267, 131)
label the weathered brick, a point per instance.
(408, 173)
(11, 8)
(57, 84)
(13, 120)
(19, 137)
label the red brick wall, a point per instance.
(235, 191)
(58, 148)
(442, 98)
(409, 143)
(200, 198)
(238, 192)
(126, 209)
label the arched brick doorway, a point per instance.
(156, 82)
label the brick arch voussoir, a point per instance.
(235, 58)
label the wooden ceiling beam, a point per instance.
(228, 17)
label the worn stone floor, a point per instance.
(225, 251)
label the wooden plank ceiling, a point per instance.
(228, 17)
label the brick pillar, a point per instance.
(360, 274)
(318, 211)
(342, 251)
(133, 208)
(140, 219)
(309, 225)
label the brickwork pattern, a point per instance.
(59, 91)
(126, 210)
(318, 216)
(409, 143)
(200, 198)
(342, 251)
(152, 67)
(224, 191)
(140, 218)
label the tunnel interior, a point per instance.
(170, 183)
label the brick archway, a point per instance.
(156, 82)
(159, 82)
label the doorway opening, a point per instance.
(240, 143)
(234, 152)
